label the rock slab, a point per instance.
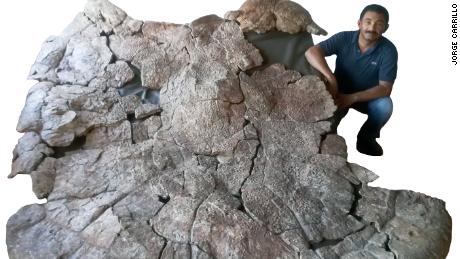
(228, 163)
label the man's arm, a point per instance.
(315, 56)
(383, 89)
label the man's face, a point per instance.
(372, 26)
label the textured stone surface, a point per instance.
(227, 164)
(282, 15)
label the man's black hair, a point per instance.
(376, 8)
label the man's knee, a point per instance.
(382, 107)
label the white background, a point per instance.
(421, 140)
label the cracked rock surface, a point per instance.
(228, 164)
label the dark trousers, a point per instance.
(378, 113)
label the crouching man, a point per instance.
(366, 68)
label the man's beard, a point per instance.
(371, 35)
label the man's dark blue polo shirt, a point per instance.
(356, 71)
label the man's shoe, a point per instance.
(369, 146)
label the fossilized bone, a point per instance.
(266, 15)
